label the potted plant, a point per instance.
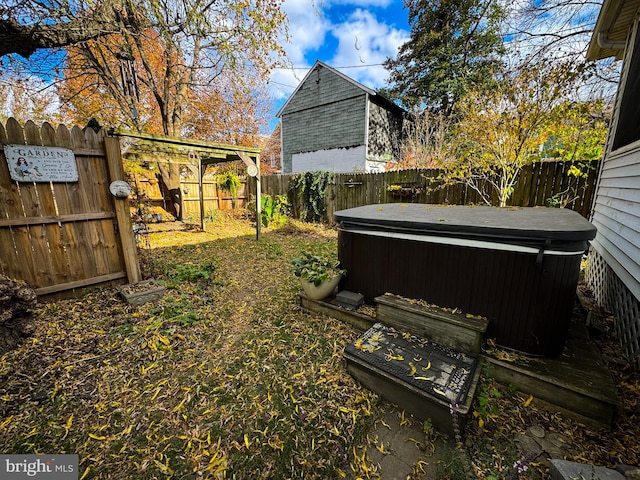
(319, 276)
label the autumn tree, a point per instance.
(454, 47)
(232, 109)
(270, 161)
(426, 140)
(502, 130)
(26, 98)
(90, 90)
(116, 41)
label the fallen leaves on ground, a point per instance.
(224, 376)
(501, 413)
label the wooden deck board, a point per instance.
(577, 382)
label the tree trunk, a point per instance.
(171, 180)
(26, 39)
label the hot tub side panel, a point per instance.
(528, 305)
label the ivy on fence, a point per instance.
(309, 188)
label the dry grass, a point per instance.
(224, 377)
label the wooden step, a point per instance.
(577, 383)
(423, 378)
(462, 332)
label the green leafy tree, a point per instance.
(580, 132)
(502, 130)
(454, 47)
(577, 136)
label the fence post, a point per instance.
(123, 216)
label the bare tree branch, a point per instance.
(24, 40)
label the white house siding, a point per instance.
(338, 160)
(616, 215)
(613, 271)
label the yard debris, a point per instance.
(226, 377)
(509, 416)
(223, 376)
(17, 300)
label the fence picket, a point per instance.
(537, 183)
(24, 203)
(58, 236)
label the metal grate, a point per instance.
(612, 293)
(432, 368)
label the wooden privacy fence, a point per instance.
(541, 184)
(215, 198)
(60, 236)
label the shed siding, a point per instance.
(339, 160)
(326, 127)
(321, 87)
(385, 131)
(326, 112)
(617, 215)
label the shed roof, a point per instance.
(381, 98)
(612, 28)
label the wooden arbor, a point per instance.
(196, 154)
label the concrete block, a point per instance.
(349, 299)
(566, 470)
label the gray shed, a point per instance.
(331, 122)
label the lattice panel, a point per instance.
(627, 312)
(597, 276)
(612, 293)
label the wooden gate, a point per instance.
(61, 236)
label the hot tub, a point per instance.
(518, 267)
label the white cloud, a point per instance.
(363, 40)
(307, 32)
(361, 3)
(307, 28)
(341, 33)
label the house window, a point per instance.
(628, 125)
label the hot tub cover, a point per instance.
(538, 227)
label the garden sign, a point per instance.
(34, 163)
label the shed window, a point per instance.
(628, 127)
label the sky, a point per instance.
(353, 36)
(356, 36)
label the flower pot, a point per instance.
(321, 291)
